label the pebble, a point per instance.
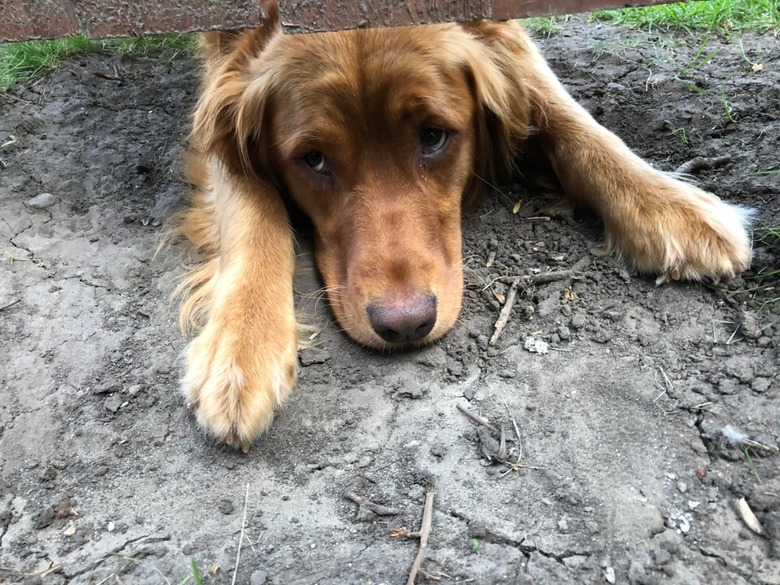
(225, 506)
(113, 403)
(45, 518)
(411, 389)
(760, 385)
(578, 321)
(535, 345)
(42, 201)
(135, 389)
(314, 355)
(438, 450)
(609, 575)
(750, 326)
(433, 357)
(106, 388)
(258, 578)
(601, 336)
(682, 487)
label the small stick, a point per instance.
(701, 163)
(377, 509)
(475, 418)
(517, 433)
(506, 310)
(541, 278)
(241, 538)
(501, 455)
(11, 304)
(425, 530)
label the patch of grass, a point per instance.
(723, 16)
(546, 26)
(765, 283)
(683, 135)
(728, 110)
(194, 577)
(30, 59)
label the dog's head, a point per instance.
(378, 136)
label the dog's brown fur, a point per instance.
(342, 124)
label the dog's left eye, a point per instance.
(316, 161)
(432, 140)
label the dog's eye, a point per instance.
(316, 161)
(432, 139)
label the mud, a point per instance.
(633, 425)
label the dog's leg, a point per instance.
(243, 362)
(658, 223)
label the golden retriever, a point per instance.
(379, 136)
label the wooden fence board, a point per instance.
(39, 19)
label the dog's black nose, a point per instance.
(403, 320)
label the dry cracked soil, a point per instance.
(653, 412)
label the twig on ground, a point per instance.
(425, 531)
(51, 570)
(517, 433)
(541, 278)
(506, 310)
(11, 304)
(527, 280)
(475, 418)
(241, 538)
(377, 509)
(702, 163)
(501, 455)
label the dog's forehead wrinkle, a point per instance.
(355, 72)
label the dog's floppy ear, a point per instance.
(505, 100)
(230, 112)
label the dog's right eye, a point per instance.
(316, 161)
(432, 140)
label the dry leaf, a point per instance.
(570, 295)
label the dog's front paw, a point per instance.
(233, 382)
(684, 233)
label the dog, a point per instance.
(381, 137)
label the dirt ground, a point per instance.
(654, 411)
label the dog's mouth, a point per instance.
(403, 318)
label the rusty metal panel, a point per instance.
(506, 9)
(325, 15)
(106, 18)
(35, 19)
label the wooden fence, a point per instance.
(45, 19)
